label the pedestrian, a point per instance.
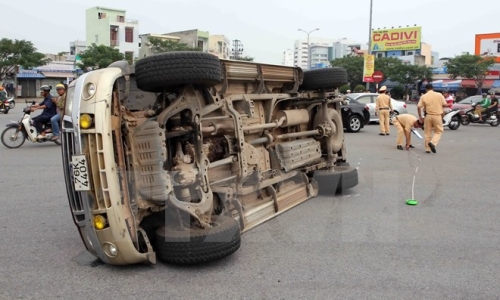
(60, 101)
(432, 103)
(404, 123)
(383, 108)
(348, 92)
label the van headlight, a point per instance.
(89, 90)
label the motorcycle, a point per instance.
(491, 117)
(17, 133)
(452, 119)
(11, 102)
(5, 106)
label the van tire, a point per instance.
(327, 78)
(196, 246)
(335, 181)
(159, 72)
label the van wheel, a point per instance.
(162, 71)
(327, 78)
(336, 180)
(195, 246)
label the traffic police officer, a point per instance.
(404, 124)
(432, 104)
(383, 108)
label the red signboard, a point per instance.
(378, 76)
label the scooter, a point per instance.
(11, 102)
(470, 116)
(452, 119)
(17, 133)
(4, 106)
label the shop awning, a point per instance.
(471, 83)
(496, 84)
(445, 84)
(58, 74)
(30, 75)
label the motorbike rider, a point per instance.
(59, 102)
(3, 94)
(449, 99)
(482, 106)
(49, 110)
(493, 105)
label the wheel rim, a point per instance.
(355, 124)
(12, 138)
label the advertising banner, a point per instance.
(488, 45)
(368, 68)
(396, 39)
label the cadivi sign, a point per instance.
(396, 39)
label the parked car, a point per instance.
(368, 99)
(355, 115)
(466, 103)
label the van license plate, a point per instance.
(80, 173)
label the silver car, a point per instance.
(399, 107)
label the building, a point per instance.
(345, 47)
(287, 58)
(301, 50)
(193, 38)
(110, 27)
(77, 47)
(145, 48)
(219, 45)
(320, 55)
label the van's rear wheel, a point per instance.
(195, 246)
(327, 78)
(336, 180)
(162, 71)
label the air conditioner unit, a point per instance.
(116, 28)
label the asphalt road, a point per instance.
(365, 244)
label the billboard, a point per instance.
(368, 68)
(396, 39)
(488, 45)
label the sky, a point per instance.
(266, 27)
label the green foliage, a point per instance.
(359, 88)
(98, 57)
(409, 74)
(354, 67)
(15, 53)
(244, 58)
(470, 66)
(160, 45)
(398, 92)
(343, 89)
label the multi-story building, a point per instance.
(110, 27)
(145, 48)
(344, 47)
(287, 58)
(219, 45)
(77, 47)
(193, 38)
(301, 50)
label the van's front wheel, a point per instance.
(195, 246)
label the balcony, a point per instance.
(114, 43)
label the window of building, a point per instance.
(120, 19)
(96, 38)
(129, 35)
(200, 44)
(409, 52)
(101, 15)
(380, 54)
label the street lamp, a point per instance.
(308, 46)
(370, 38)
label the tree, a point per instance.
(409, 74)
(15, 53)
(98, 57)
(354, 68)
(388, 65)
(470, 66)
(244, 58)
(160, 45)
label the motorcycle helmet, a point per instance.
(484, 95)
(45, 88)
(60, 86)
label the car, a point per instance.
(466, 103)
(399, 107)
(355, 115)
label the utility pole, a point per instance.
(370, 38)
(308, 47)
(237, 49)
